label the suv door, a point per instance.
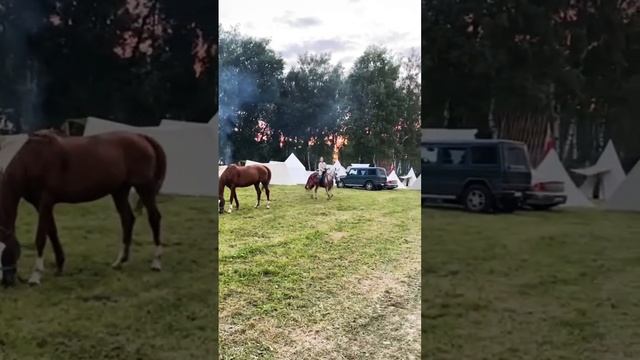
(485, 163)
(351, 179)
(430, 172)
(517, 170)
(453, 169)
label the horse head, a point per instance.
(311, 181)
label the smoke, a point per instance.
(237, 88)
(20, 22)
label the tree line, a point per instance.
(369, 114)
(573, 63)
(129, 61)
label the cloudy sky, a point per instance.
(343, 27)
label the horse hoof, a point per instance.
(155, 265)
(34, 280)
(117, 265)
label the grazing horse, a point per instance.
(242, 176)
(313, 183)
(49, 169)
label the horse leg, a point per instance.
(258, 193)
(232, 189)
(266, 191)
(148, 197)
(235, 196)
(45, 218)
(127, 220)
(34, 200)
(57, 246)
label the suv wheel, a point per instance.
(340, 184)
(478, 198)
(368, 185)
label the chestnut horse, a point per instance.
(313, 183)
(49, 169)
(242, 176)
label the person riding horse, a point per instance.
(322, 170)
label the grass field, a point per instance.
(318, 279)
(532, 285)
(95, 312)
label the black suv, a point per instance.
(370, 178)
(482, 175)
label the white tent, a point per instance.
(280, 174)
(394, 176)
(9, 147)
(191, 155)
(416, 184)
(551, 169)
(627, 197)
(448, 134)
(608, 169)
(98, 126)
(214, 120)
(339, 169)
(409, 178)
(296, 169)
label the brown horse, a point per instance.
(313, 183)
(242, 176)
(49, 169)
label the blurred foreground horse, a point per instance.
(50, 169)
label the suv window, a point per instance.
(371, 172)
(453, 155)
(484, 155)
(352, 171)
(382, 172)
(516, 156)
(429, 154)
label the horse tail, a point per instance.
(161, 162)
(160, 170)
(268, 176)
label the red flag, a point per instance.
(549, 142)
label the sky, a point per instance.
(343, 27)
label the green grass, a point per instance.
(533, 285)
(95, 312)
(311, 279)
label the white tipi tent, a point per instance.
(416, 184)
(608, 169)
(627, 197)
(339, 169)
(279, 172)
(394, 176)
(296, 169)
(551, 169)
(409, 178)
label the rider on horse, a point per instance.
(322, 170)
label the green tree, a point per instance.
(373, 106)
(250, 76)
(309, 107)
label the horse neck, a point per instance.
(9, 199)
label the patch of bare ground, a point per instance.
(376, 317)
